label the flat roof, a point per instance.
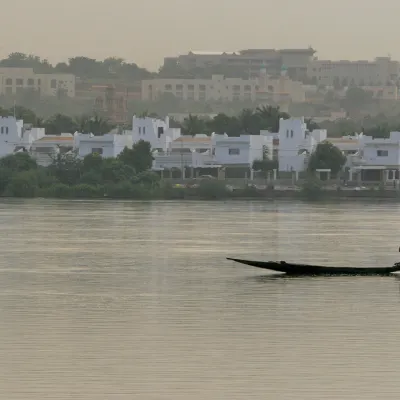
(56, 139)
(190, 139)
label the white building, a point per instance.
(155, 131)
(14, 135)
(296, 143)
(17, 80)
(242, 150)
(202, 151)
(46, 148)
(376, 159)
(109, 145)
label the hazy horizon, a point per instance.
(146, 32)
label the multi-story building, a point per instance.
(381, 71)
(18, 80)
(249, 61)
(219, 88)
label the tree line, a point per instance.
(68, 176)
(81, 66)
(248, 121)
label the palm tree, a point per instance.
(249, 121)
(193, 125)
(270, 117)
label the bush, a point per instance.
(58, 190)
(23, 184)
(120, 190)
(87, 191)
(212, 189)
(91, 178)
(312, 188)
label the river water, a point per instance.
(135, 300)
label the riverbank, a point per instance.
(214, 191)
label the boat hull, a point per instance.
(304, 269)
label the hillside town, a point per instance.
(252, 117)
(206, 83)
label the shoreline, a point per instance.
(237, 195)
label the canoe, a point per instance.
(305, 269)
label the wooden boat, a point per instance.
(304, 269)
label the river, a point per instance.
(135, 300)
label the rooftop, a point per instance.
(193, 139)
(52, 138)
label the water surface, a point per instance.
(132, 300)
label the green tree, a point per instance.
(25, 114)
(67, 168)
(115, 170)
(222, 123)
(270, 117)
(140, 157)
(311, 125)
(193, 125)
(60, 123)
(327, 156)
(18, 162)
(23, 184)
(92, 161)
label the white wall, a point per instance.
(241, 150)
(109, 145)
(293, 138)
(155, 131)
(10, 135)
(381, 152)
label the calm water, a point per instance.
(125, 300)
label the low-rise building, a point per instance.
(155, 131)
(296, 143)
(109, 145)
(45, 149)
(14, 135)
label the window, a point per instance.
(140, 130)
(382, 153)
(144, 130)
(160, 131)
(2, 130)
(20, 82)
(247, 88)
(53, 84)
(291, 133)
(168, 87)
(31, 82)
(179, 87)
(202, 87)
(8, 81)
(287, 133)
(190, 87)
(97, 150)
(6, 130)
(234, 152)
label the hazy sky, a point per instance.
(144, 31)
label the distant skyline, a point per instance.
(146, 32)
